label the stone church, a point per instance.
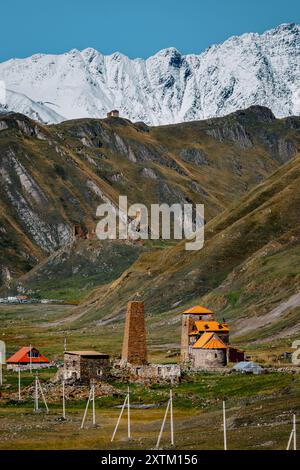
(205, 341)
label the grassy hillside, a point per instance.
(73, 271)
(53, 177)
(248, 266)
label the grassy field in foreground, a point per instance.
(259, 410)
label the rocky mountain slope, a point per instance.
(248, 269)
(53, 178)
(166, 88)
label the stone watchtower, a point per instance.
(134, 344)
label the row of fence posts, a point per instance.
(126, 405)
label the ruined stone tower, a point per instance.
(134, 344)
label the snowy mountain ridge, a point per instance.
(168, 87)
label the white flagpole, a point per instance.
(1, 373)
(63, 399)
(86, 409)
(290, 440)
(30, 358)
(94, 411)
(119, 418)
(36, 398)
(171, 418)
(128, 414)
(65, 343)
(163, 425)
(224, 426)
(19, 382)
(293, 435)
(43, 397)
(294, 431)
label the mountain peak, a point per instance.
(169, 87)
(259, 113)
(286, 27)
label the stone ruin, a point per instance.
(134, 363)
(134, 349)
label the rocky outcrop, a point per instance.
(194, 155)
(5, 276)
(281, 148)
(234, 133)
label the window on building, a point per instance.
(99, 372)
(33, 354)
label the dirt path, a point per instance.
(70, 318)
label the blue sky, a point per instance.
(135, 28)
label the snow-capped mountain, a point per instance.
(166, 88)
(20, 103)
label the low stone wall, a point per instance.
(16, 367)
(150, 373)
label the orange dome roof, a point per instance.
(198, 310)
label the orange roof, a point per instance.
(210, 325)
(198, 309)
(209, 341)
(22, 357)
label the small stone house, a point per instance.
(85, 366)
(209, 352)
(113, 113)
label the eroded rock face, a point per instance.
(149, 173)
(235, 133)
(5, 276)
(31, 205)
(3, 125)
(280, 147)
(194, 155)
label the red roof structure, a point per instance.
(23, 357)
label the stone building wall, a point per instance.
(186, 328)
(208, 358)
(85, 368)
(94, 368)
(71, 366)
(155, 373)
(134, 345)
